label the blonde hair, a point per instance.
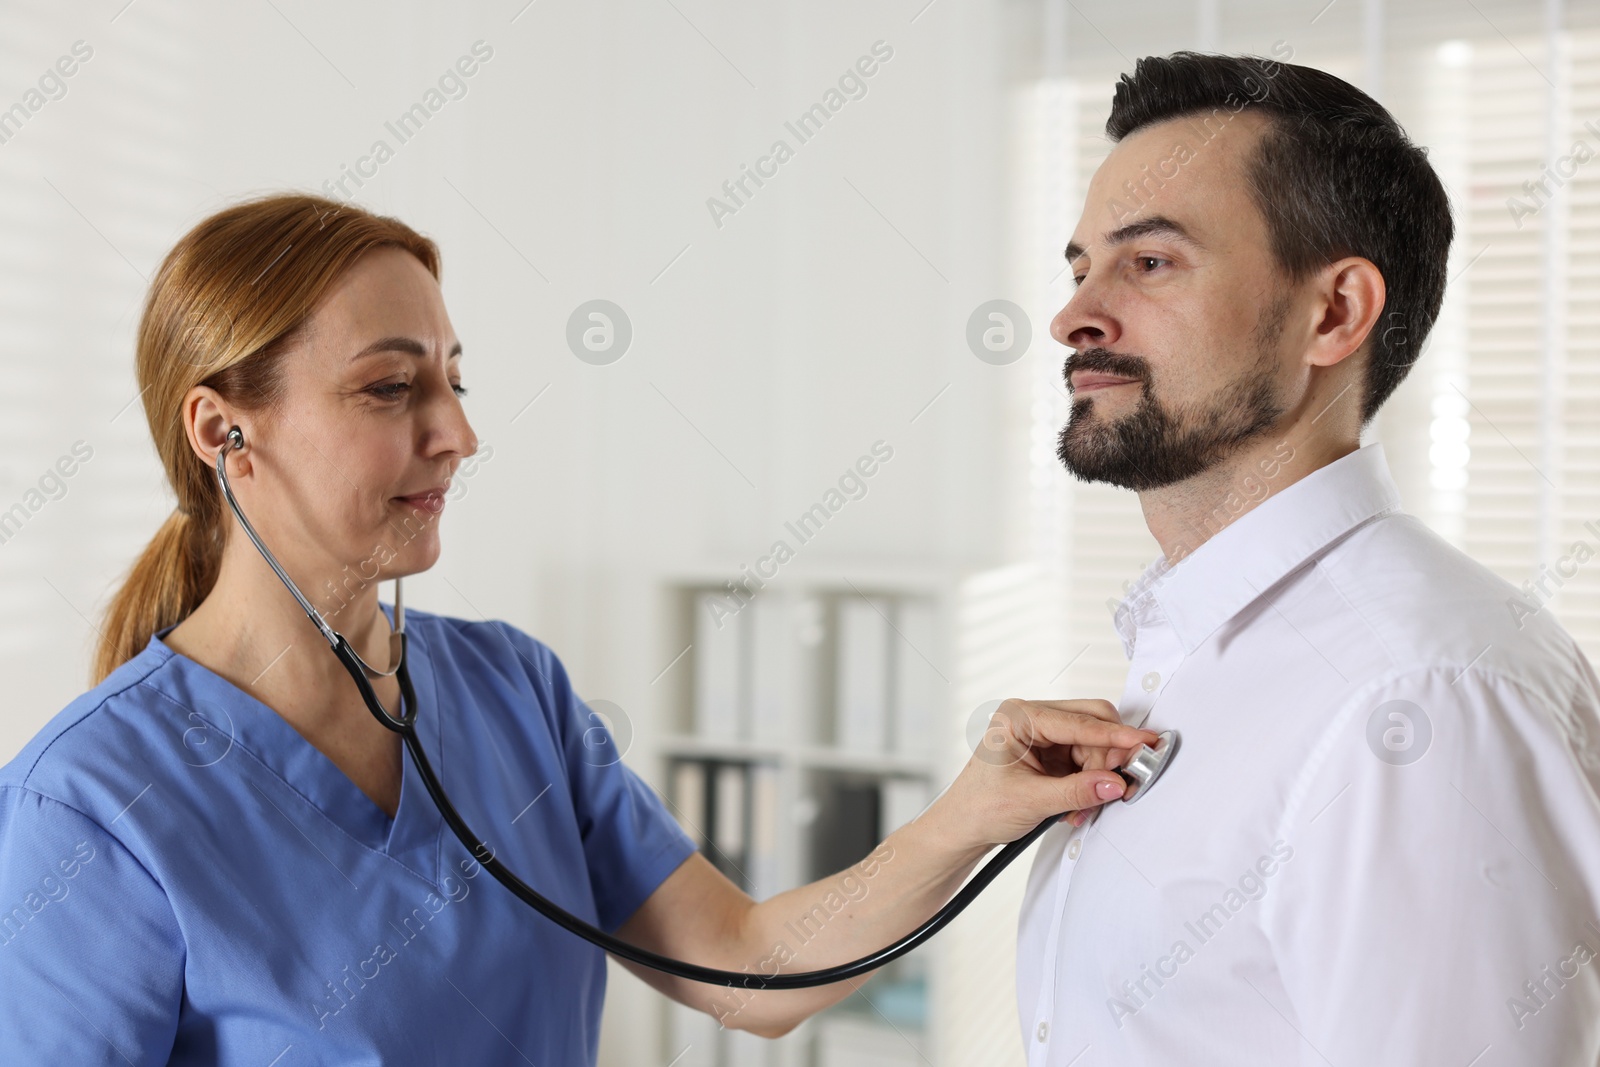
(229, 299)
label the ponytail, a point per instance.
(230, 298)
(170, 578)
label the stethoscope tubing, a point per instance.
(405, 724)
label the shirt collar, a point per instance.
(1236, 565)
(1138, 607)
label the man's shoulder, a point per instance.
(1429, 603)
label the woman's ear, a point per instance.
(1353, 293)
(207, 418)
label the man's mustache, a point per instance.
(1105, 361)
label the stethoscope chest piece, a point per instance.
(1145, 765)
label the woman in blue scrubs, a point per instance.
(218, 856)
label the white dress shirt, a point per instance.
(1379, 841)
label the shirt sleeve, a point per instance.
(91, 958)
(1441, 899)
(630, 840)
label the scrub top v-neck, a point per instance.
(184, 879)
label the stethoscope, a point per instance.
(1143, 767)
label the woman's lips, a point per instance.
(430, 500)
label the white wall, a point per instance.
(803, 330)
(771, 353)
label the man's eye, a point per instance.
(1149, 259)
(1077, 280)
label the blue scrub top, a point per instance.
(184, 879)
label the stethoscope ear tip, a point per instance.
(236, 438)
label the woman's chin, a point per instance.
(414, 559)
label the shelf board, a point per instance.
(818, 757)
(719, 748)
(838, 759)
(826, 575)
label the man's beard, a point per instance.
(1152, 447)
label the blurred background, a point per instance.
(676, 366)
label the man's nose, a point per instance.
(1085, 322)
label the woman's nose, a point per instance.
(461, 432)
(449, 430)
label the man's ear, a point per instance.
(1352, 295)
(207, 418)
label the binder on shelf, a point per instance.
(763, 865)
(848, 819)
(688, 796)
(813, 718)
(917, 687)
(774, 662)
(812, 673)
(728, 824)
(719, 656)
(861, 709)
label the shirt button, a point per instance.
(1074, 848)
(1044, 1031)
(1150, 681)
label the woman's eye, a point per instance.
(396, 390)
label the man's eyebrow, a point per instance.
(1155, 224)
(401, 344)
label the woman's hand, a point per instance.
(1038, 758)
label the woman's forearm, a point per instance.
(841, 918)
(1032, 765)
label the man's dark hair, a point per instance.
(1334, 176)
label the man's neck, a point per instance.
(1184, 516)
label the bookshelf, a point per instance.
(811, 721)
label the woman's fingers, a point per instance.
(1037, 759)
(1100, 709)
(1058, 737)
(1092, 758)
(1069, 722)
(1078, 792)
